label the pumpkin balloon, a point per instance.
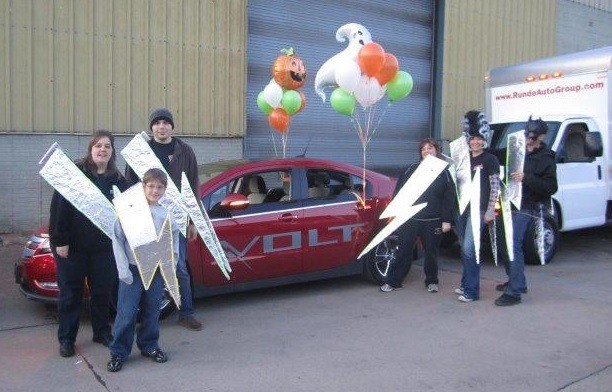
(279, 120)
(288, 70)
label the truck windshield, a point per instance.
(501, 132)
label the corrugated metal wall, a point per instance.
(77, 65)
(402, 27)
(481, 34)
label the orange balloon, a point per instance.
(279, 120)
(303, 97)
(388, 70)
(371, 58)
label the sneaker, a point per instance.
(66, 349)
(386, 288)
(463, 298)
(115, 364)
(459, 291)
(156, 355)
(432, 288)
(190, 323)
(507, 300)
(502, 287)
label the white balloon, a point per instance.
(368, 91)
(348, 75)
(273, 93)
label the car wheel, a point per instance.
(551, 241)
(380, 258)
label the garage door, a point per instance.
(403, 28)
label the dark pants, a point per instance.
(430, 233)
(101, 273)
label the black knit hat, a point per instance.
(161, 114)
(538, 126)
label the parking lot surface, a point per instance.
(346, 335)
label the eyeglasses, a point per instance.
(532, 136)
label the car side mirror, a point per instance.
(234, 202)
(593, 146)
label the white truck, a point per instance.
(573, 94)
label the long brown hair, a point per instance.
(88, 162)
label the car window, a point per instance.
(332, 184)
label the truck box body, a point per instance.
(572, 93)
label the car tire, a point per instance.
(378, 261)
(551, 241)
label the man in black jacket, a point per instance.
(539, 178)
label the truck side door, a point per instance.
(582, 188)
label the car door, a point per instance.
(262, 241)
(336, 224)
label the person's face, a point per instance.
(476, 143)
(428, 149)
(533, 141)
(101, 152)
(162, 131)
(154, 190)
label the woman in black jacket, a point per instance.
(428, 224)
(82, 251)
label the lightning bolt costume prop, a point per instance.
(402, 207)
(63, 175)
(150, 250)
(182, 206)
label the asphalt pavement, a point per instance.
(346, 335)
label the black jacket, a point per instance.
(440, 196)
(540, 181)
(68, 226)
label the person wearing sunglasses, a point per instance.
(539, 179)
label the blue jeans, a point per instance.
(184, 280)
(516, 268)
(470, 280)
(129, 300)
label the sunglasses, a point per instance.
(532, 136)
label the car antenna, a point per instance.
(303, 155)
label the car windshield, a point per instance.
(501, 132)
(208, 171)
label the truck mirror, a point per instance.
(593, 146)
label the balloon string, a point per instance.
(273, 143)
(379, 120)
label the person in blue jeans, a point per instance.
(539, 178)
(476, 130)
(132, 296)
(177, 157)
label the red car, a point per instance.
(279, 221)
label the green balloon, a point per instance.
(342, 101)
(400, 86)
(262, 104)
(291, 102)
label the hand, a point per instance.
(192, 232)
(62, 251)
(446, 227)
(517, 176)
(489, 217)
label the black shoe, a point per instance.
(115, 364)
(156, 355)
(502, 287)
(104, 340)
(507, 300)
(66, 349)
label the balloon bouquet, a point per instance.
(362, 73)
(281, 99)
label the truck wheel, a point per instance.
(551, 241)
